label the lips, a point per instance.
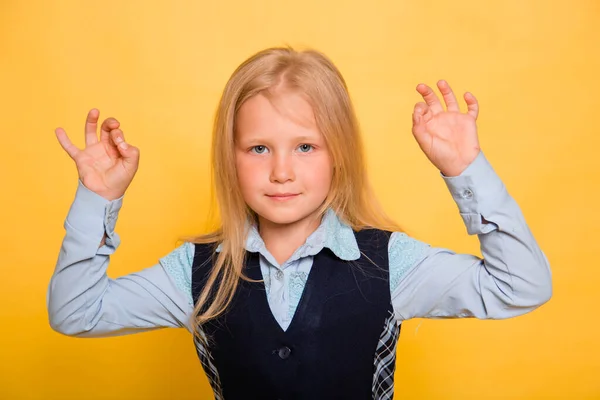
(282, 196)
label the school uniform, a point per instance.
(340, 342)
(325, 323)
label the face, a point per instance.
(284, 168)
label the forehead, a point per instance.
(279, 113)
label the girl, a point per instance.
(302, 291)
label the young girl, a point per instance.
(302, 291)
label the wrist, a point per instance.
(108, 195)
(454, 171)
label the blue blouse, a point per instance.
(511, 279)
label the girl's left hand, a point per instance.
(448, 138)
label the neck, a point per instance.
(282, 240)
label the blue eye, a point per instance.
(305, 148)
(259, 149)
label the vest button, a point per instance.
(284, 352)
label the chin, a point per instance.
(283, 215)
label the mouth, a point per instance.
(282, 196)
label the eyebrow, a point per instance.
(303, 138)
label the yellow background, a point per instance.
(159, 68)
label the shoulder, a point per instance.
(404, 252)
(178, 265)
(401, 242)
(181, 257)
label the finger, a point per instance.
(91, 127)
(118, 139)
(472, 105)
(419, 120)
(129, 153)
(421, 108)
(65, 143)
(430, 98)
(423, 111)
(131, 156)
(449, 98)
(108, 125)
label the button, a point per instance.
(279, 274)
(467, 194)
(284, 352)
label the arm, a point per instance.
(83, 301)
(513, 277)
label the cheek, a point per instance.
(320, 173)
(248, 171)
(242, 173)
(325, 181)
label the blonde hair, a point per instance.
(313, 75)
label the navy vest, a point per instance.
(340, 343)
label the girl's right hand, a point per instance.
(106, 166)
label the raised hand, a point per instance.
(448, 138)
(106, 166)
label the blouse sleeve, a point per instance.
(83, 301)
(511, 279)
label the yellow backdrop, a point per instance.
(159, 68)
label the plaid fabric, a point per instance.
(385, 360)
(209, 369)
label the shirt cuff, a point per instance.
(93, 215)
(476, 191)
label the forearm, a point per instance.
(83, 301)
(512, 278)
(514, 275)
(80, 278)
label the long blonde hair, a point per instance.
(312, 74)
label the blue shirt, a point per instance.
(511, 279)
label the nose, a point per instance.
(282, 169)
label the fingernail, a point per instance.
(123, 145)
(119, 139)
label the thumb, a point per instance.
(418, 117)
(130, 154)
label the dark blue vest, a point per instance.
(340, 343)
